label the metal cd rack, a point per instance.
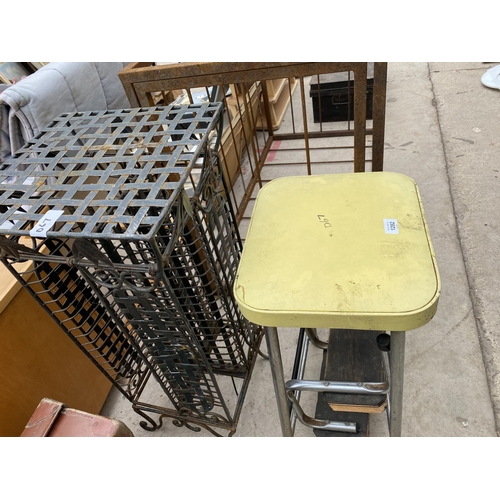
(133, 244)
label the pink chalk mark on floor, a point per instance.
(272, 152)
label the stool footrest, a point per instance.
(328, 425)
(352, 355)
(338, 387)
(359, 408)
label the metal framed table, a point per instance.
(346, 251)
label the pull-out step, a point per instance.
(352, 356)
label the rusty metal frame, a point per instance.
(143, 79)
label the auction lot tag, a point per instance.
(391, 226)
(45, 223)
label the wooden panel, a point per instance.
(279, 102)
(38, 360)
(324, 412)
(352, 356)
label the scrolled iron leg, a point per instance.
(152, 426)
(273, 349)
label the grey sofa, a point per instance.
(58, 87)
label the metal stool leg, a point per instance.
(397, 360)
(273, 349)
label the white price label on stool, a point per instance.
(391, 226)
(45, 223)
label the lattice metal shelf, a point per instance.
(134, 244)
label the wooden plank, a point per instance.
(359, 408)
(352, 356)
(324, 412)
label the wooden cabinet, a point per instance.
(38, 360)
(279, 91)
(243, 115)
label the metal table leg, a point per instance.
(273, 348)
(397, 360)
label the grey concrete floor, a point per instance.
(441, 130)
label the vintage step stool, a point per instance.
(347, 252)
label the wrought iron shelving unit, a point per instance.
(134, 248)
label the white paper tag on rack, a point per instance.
(391, 226)
(45, 223)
